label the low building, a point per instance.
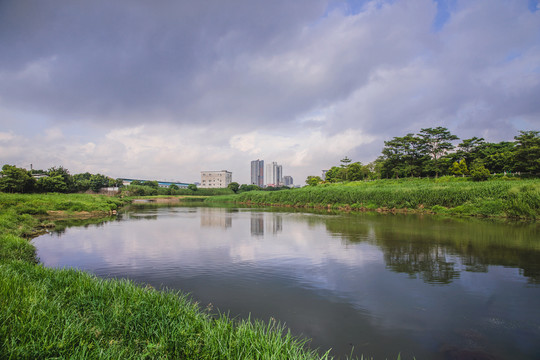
(216, 179)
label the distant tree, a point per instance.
(153, 184)
(16, 179)
(192, 187)
(436, 142)
(469, 149)
(251, 187)
(98, 181)
(459, 167)
(54, 183)
(345, 166)
(527, 152)
(403, 156)
(356, 171)
(174, 187)
(136, 182)
(313, 180)
(497, 157)
(234, 186)
(64, 174)
(335, 174)
(479, 172)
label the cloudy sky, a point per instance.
(163, 90)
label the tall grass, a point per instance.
(69, 314)
(52, 313)
(493, 198)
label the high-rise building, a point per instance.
(216, 179)
(257, 172)
(274, 174)
(288, 181)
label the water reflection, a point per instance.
(212, 217)
(421, 286)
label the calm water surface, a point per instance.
(381, 284)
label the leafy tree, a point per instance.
(54, 183)
(497, 157)
(251, 187)
(64, 174)
(356, 172)
(136, 182)
(313, 180)
(479, 172)
(403, 156)
(234, 186)
(459, 167)
(15, 179)
(153, 184)
(527, 152)
(174, 187)
(335, 174)
(436, 142)
(469, 149)
(192, 187)
(98, 181)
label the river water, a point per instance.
(370, 284)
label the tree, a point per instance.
(527, 152)
(403, 156)
(356, 172)
(15, 179)
(98, 181)
(335, 174)
(192, 187)
(54, 183)
(153, 184)
(497, 157)
(64, 174)
(436, 142)
(469, 149)
(479, 172)
(234, 186)
(251, 187)
(313, 180)
(174, 187)
(459, 167)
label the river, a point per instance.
(363, 283)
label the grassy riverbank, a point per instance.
(454, 196)
(48, 313)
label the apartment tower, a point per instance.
(257, 172)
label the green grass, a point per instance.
(52, 313)
(69, 314)
(517, 198)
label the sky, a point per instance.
(164, 90)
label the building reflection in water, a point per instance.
(274, 224)
(213, 217)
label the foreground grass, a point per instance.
(48, 313)
(67, 313)
(518, 198)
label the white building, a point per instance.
(274, 174)
(215, 179)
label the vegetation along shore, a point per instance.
(62, 313)
(446, 195)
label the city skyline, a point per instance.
(133, 90)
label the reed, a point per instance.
(518, 198)
(63, 313)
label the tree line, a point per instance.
(55, 179)
(432, 152)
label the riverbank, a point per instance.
(49, 313)
(449, 196)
